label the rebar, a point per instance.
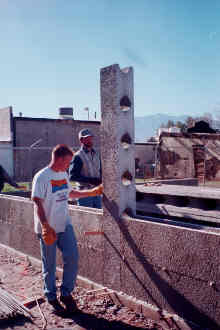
(10, 306)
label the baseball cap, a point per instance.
(84, 133)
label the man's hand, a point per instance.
(95, 191)
(48, 234)
(99, 189)
(22, 187)
(87, 193)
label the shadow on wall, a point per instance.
(182, 306)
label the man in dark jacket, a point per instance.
(85, 169)
(5, 178)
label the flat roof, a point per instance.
(56, 119)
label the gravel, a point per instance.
(95, 310)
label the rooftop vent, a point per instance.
(66, 113)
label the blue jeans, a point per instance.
(95, 202)
(67, 244)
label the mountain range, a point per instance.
(147, 126)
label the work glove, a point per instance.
(95, 191)
(48, 234)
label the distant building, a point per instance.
(174, 129)
(6, 139)
(17, 134)
(189, 155)
(145, 156)
(162, 130)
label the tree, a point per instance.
(181, 125)
(190, 121)
(207, 116)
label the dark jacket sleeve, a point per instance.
(75, 173)
(6, 178)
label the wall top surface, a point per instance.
(55, 119)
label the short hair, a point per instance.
(62, 150)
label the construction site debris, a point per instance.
(96, 308)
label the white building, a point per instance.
(6, 140)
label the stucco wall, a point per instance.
(172, 267)
(176, 156)
(52, 132)
(27, 162)
(145, 152)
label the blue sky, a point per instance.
(52, 52)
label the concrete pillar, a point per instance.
(118, 164)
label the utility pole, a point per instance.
(87, 109)
(30, 160)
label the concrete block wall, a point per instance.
(16, 224)
(117, 146)
(169, 266)
(17, 231)
(87, 222)
(174, 268)
(117, 154)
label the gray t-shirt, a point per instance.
(53, 188)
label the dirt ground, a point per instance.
(22, 280)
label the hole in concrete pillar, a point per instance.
(128, 211)
(157, 199)
(184, 201)
(180, 201)
(208, 204)
(125, 103)
(126, 141)
(126, 178)
(139, 196)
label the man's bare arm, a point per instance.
(40, 210)
(86, 193)
(48, 233)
